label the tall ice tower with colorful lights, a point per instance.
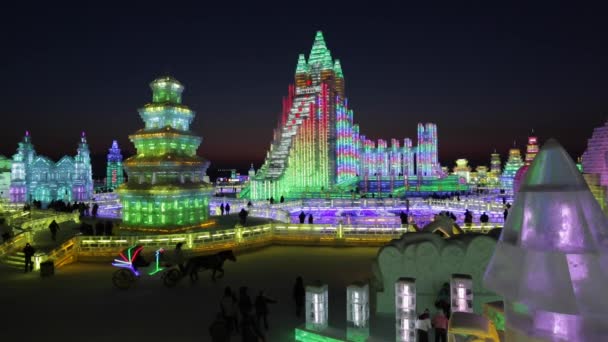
(114, 172)
(514, 163)
(165, 191)
(317, 147)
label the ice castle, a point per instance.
(36, 177)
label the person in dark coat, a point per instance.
(227, 208)
(403, 217)
(282, 199)
(99, 228)
(219, 330)
(302, 217)
(468, 217)
(229, 306)
(249, 329)
(505, 214)
(309, 218)
(108, 228)
(484, 218)
(243, 216)
(54, 227)
(245, 304)
(299, 294)
(222, 208)
(95, 209)
(28, 252)
(271, 200)
(261, 308)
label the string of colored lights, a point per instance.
(128, 260)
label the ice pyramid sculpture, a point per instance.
(551, 264)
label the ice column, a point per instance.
(316, 307)
(461, 289)
(405, 309)
(357, 312)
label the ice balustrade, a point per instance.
(37, 224)
(16, 243)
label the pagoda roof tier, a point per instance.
(160, 189)
(164, 160)
(166, 104)
(166, 132)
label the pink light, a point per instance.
(136, 252)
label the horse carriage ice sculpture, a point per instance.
(130, 260)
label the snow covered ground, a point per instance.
(79, 302)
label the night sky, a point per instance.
(486, 75)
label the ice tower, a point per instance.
(514, 163)
(595, 158)
(595, 164)
(550, 264)
(114, 172)
(531, 151)
(165, 190)
(317, 147)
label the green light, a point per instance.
(309, 336)
(302, 67)
(338, 69)
(319, 50)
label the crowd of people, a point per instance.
(239, 315)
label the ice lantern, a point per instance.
(405, 309)
(461, 293)
(357, 312)
(316, 307)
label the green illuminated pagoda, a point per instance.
(165, 191)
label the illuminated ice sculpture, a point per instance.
(165, 191)
(405, 309)
(461, 293)
(316, 307)
(114, 172)
(36, 177)
(357, 312)
(318, 147)
(551, 264)
(531, 152)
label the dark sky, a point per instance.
(485, 74)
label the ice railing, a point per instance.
(235, 238)
(242, 236)
(27, 228)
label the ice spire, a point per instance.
(327, 63)
(338, 69)
(550, 264)
(319, 50)
(302, 67)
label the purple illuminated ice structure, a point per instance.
(550, 263)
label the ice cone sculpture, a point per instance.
(551, 264)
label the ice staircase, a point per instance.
(14, 260)
(276, 161)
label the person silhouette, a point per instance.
(28, 253)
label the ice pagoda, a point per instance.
(165, 191)
(550, 264)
